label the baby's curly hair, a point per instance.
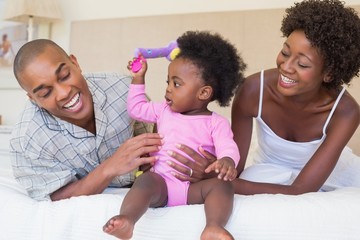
(334, 30)
(220, 64)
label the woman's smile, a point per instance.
(286, 82)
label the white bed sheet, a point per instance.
(326, 215)
(322, 215)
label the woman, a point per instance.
(304, 116)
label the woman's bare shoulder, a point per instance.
(252, 82)
(349, 108)
(247, 97)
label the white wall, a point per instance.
(89, 9)
(11, 104)
(105, 9)
(12, 98)
(74, 10)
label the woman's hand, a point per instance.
(194, 170)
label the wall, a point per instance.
(116, 39)
(107, 9)
(254, 32)
(12, 98)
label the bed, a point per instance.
(322, 215)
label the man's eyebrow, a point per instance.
(59, 68)
(57, 71)
(38, 88)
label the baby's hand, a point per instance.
(137, 68)
(136, 65)
(225, 167)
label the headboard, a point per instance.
(108, 44)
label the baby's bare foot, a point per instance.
(215, 233)
(119, 226)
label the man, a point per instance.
(74, 136)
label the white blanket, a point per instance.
(326, 215)
(323, 215)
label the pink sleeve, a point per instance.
(139, 107)
(223, 138)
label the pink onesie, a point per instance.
(212, 132)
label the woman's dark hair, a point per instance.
(334, 30)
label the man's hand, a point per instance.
(134, 153)
(129, 156)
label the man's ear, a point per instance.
(31, 98)
(73, 59)
(205, 93)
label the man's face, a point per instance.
(54, 82)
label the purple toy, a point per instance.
(169, 52)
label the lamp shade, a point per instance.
(32, 11)
(38, 10)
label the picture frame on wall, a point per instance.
(12, 37)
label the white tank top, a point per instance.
(276, 150)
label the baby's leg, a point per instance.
(149, 190)
(218, 198)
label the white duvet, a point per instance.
(322, 215)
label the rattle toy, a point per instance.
(170, 52)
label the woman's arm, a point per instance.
(243, 110)
(342, 126)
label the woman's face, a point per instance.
(300, 65)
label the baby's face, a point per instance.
(185, 87)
